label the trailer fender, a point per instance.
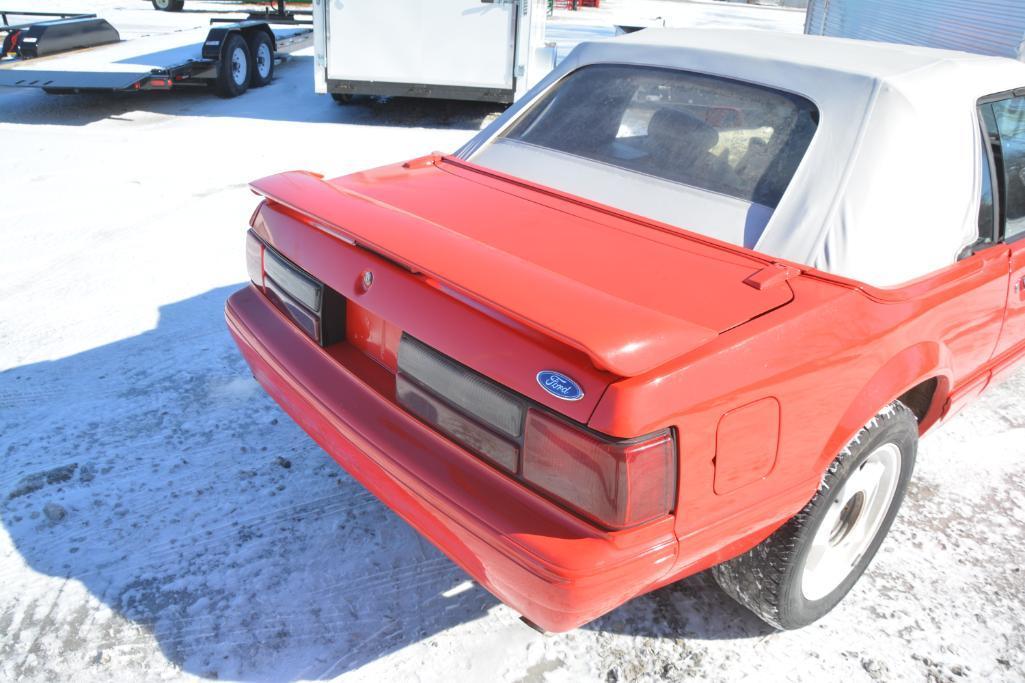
(247, 30)
(213, 46)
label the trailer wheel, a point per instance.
(169, 5)
(262, 50)
(342, 97)
(808, 565)
(234, 73)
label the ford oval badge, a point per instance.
(559, 385)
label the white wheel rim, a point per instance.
(851, 523)
(162, 4)
(239, 66)
(263, 58)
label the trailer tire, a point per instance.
(803, 570)
(262, 65)
(235, 70)
(169, 5)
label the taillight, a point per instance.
(458, 427)
(616, 483)
(307, 320)
(314, 307)
(254, 258)
(304, 289)
(468, 391)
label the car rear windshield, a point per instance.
(716, 134)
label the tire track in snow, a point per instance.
(203, 539)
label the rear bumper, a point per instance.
(545, 563)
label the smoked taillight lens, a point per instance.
(617, 483)
(465, 389)
(299, 286)
(457, 426)
(308, 322)
(254, 258)
(317, 309)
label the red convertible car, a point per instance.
(689, 304)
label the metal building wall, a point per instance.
(792, 4)
(992, 27)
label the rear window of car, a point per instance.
(725, 136)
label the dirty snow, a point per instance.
(161, 519)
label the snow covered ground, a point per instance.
(160, 518)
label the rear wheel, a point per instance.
(262, 51)
(234, 74)
(805, 568)
(169, 5)
(342, 97)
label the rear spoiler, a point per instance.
(622, 337)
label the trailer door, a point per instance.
(467, 43)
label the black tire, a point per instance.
(342, 97)
(262, 65)
(234, 72)
(770, 579)
(169, 5)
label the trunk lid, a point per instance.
(629, 293)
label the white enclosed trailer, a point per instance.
(989, 27)
(488, 50)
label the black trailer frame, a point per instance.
(56, 32)
(8, 26)
(76, 33)
(283, 15)
(280, 14)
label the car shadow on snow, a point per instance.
(692, 609)
(289, 98)
(154, 473)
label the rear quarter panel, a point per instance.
(832, 359)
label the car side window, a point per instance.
(1008, 116)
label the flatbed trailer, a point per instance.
(76, 53)
(275, 11)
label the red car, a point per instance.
(689, 304)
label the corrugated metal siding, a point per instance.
(991, 27)
(793, 4)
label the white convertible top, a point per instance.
(889, 188)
